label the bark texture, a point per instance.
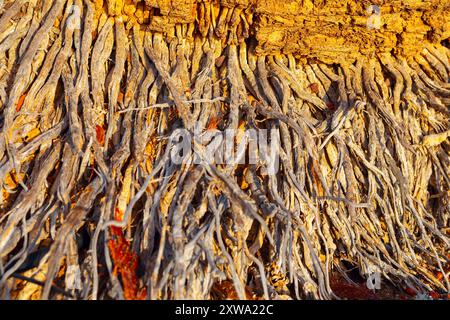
(93, 207)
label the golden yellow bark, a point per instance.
(331, 31)
(342, 30)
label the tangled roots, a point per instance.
(91, 201)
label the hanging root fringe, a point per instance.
(90, 201)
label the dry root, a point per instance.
(91, 203)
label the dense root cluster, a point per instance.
(93, 207)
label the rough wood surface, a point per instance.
(339, 30)
(330, 31)
(95, 205)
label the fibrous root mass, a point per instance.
(93, 207)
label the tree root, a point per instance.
(87, 113)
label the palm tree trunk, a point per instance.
(92, 93)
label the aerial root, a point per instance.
(87, 174)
